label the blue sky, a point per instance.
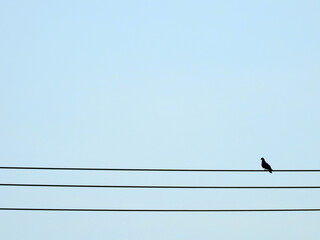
(159, 84)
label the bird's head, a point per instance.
(262, 159)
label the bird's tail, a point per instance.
(270, 170)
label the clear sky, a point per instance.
(159, 84)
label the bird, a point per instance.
(265, 165)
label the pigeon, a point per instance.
(265, 165)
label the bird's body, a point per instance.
(265, 165)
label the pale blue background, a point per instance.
(159, 84)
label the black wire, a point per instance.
(152, 186)
(156, 169)
(159, 210)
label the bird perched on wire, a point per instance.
(265, 165)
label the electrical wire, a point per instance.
(152, 186)
(158, 210)
(155, 169)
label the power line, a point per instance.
(153, 186)
(155, 169)
(158, 210)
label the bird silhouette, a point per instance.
(265, 165)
